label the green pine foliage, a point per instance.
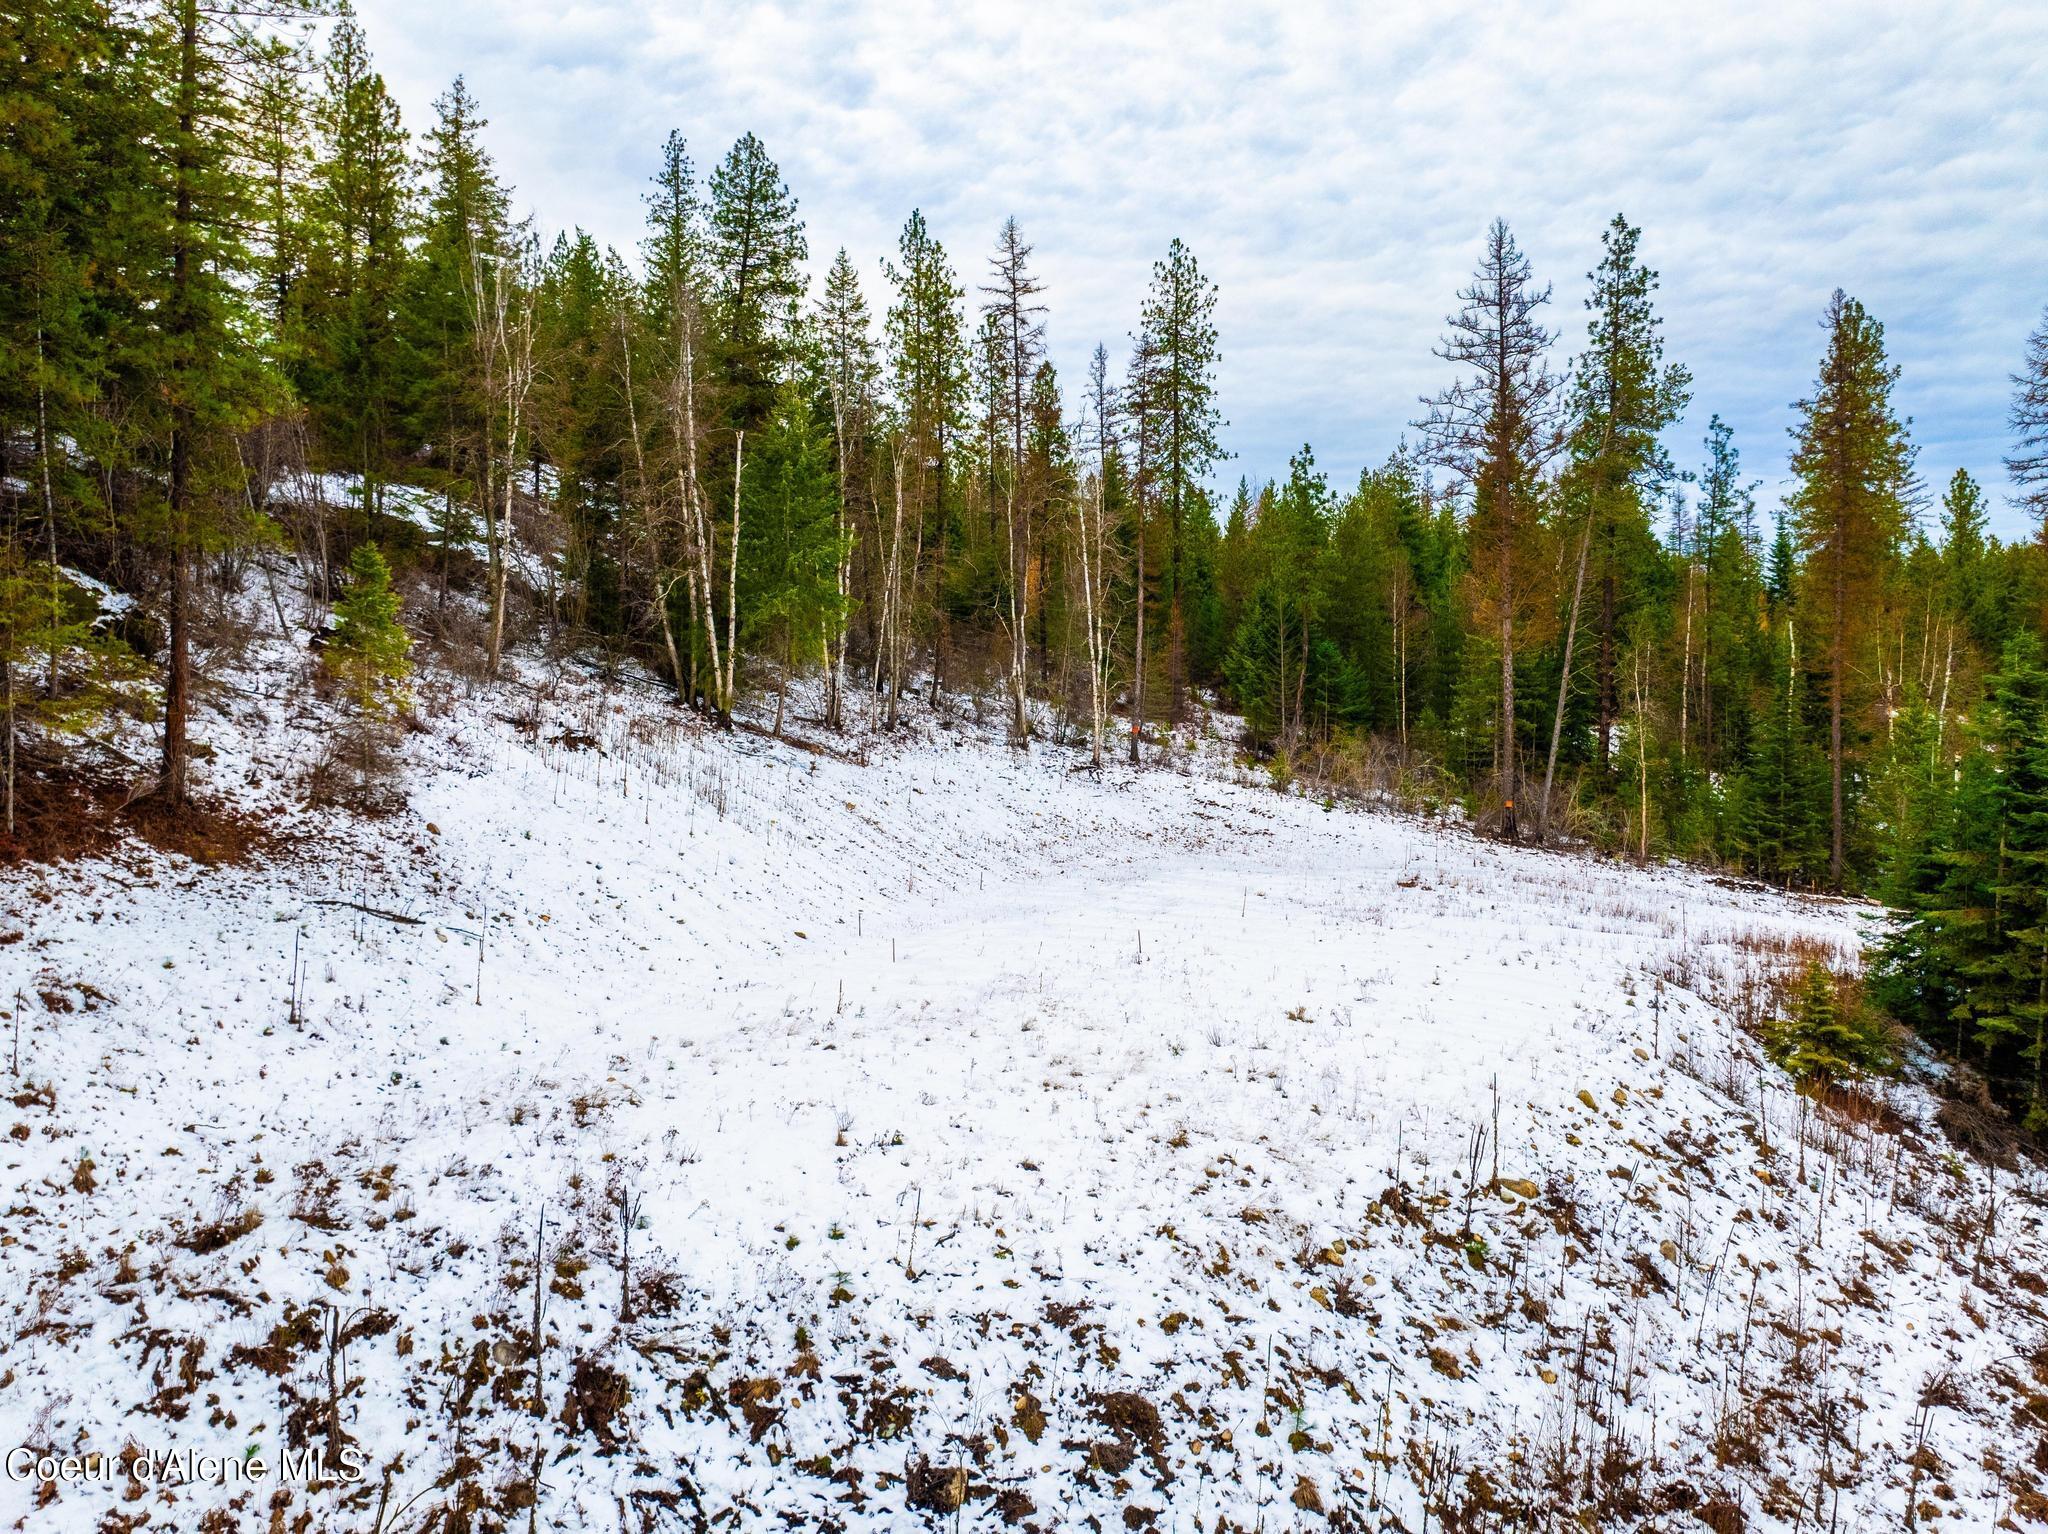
(369, 650)
(790, 543)
(1826, 1036)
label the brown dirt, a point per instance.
(60, 818)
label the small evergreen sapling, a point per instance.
(1827, 1037)
(369, 652)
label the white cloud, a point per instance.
(1333, 168)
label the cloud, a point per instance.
(1334, 166)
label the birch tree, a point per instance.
(502, 296)
(1094, 542)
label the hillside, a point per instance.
(1107, 1152)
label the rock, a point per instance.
(1586, 1098)
(1669, 1249)
(1521, 1187)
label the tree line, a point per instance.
(248, 315)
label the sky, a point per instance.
(1334, 169)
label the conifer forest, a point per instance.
(689, 883)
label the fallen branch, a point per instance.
(370, 910)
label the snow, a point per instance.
(111, 603)
(428, 511)
(967, 1098)
(424, 509)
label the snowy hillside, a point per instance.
(998, 1144)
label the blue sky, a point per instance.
(1334, 168)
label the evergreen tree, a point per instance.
(279, 116)
(582, 426)
(1280, 667)
(790, 546)
(358, 213)
(2008, 990)
(1854, 465)
(1012, 308)
(465, 220)
(1969, 599)
(672, 255)
(1733, 600)
(1495, 430)
(1623, 396)
(927, 358)
(846, 343)
(756, 253)
(1780, 811)
(369, 648)
(1826, 1039)
(2028, 464)
(210, 382)
(1179, 322)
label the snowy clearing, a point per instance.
(999, 1145)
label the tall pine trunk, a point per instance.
(173, 786)
(1564, 682)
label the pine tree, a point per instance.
(210, 383)
(1780, 810)
(1278, 667)
(846, 343)
(1495, 430)
(2008, 992)
(1968, 961)
(1012, 306)
(58, 677)
(465, 219)
(68, 206)
(1824, 1040)
(1854, 465)
(1733, 601)
(369, 648)
(279, 116)
(927, 357)
(358, 214)
(672, 255)
(1782, 570)
(2028, 464)
(1623, 396)
(582, 426)
(1179, 321)
(756, 251)
(790, 551)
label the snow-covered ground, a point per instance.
(1109, 1151)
